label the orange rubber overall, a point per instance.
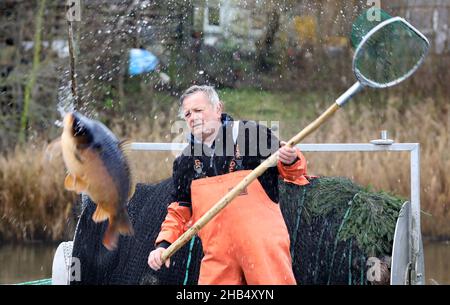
(247, 242)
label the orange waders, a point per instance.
(247, 242)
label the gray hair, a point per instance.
(209, 91)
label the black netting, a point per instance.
(128, 264)
(319, 256)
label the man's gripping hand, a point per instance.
(288, 155)
(154, 259)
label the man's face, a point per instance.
(201, 117)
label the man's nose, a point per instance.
(197, 117)
(192, 120)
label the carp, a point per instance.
(98, 166)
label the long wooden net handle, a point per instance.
(225, 200)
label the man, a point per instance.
(247, 242)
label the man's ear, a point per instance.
(219, 109)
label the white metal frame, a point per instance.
(413, 148)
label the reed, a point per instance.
(35, 206)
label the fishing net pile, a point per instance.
(334, 224)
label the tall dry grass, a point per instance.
(426, 122)
(34, 204)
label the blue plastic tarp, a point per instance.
(141, 61)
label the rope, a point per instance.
(37, 282)
(336, 241)
(191, 245)
(350, 263)
(362, 269)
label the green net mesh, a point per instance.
(365, 22)
(390, 54)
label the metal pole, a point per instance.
(417, 276)
(322, 147)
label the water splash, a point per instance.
(66, 101)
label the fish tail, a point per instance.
(111, 237)
(118, 225)
(124, 225)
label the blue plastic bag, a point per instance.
(141, 61)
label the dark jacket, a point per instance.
(215, 160)
(253, 144)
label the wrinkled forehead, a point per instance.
(197, 99)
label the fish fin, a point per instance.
(80, 185)
(74, 183)
(125, 147)
(124, 225)
(111, 237)
(100, 214)
(69, 182)
(132, 188)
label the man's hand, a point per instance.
(287, 155)
(155, 261)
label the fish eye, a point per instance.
(97, 146)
